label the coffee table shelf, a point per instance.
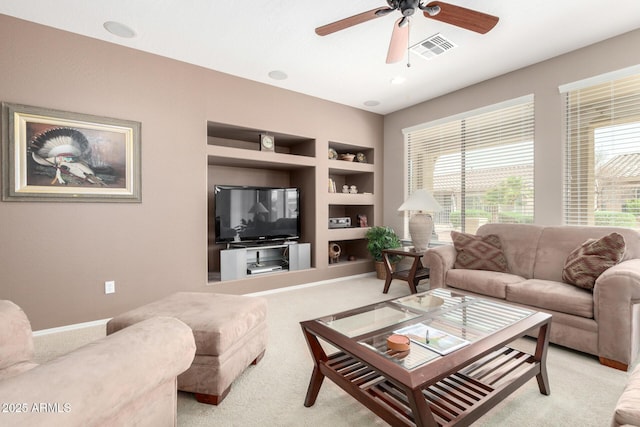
(451, 399)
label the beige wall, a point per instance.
(541, 80)
(55, 257)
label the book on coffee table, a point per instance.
(432, 338)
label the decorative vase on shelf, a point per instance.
(334, 252)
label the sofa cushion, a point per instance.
(478, 252)
(557, 242)
(519, 243)
(489, 283)
(16, 341)
(589, 260)
(16, 369)
(556, 296)
(627, 410)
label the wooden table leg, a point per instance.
(319, 356)
(387, 283)
(413, 286)
(411, 279)
(420, 409)
(387, 268)
(314, 387)
(541, 357)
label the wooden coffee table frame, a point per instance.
(455, 389)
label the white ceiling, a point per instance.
(250, 39)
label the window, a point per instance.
(602, 151)
(478, 165)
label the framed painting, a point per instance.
(50, 155)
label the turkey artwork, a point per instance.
(52, 155)
(65, 152)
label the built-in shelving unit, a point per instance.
(234, 158)
(358, 172)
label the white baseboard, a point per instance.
(70, 327)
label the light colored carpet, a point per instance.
(583, 392)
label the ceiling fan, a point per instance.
(444, 12)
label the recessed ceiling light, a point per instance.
(372, 103)
(119, 29)
(398, 80)
(278, 75)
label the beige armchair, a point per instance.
(125, 379)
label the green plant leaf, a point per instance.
(381, 238)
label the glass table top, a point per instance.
(371, 318)
(452, 320)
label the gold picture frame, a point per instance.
(51, 155)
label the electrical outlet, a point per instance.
(109, 287)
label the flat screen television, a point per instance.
(253, 214)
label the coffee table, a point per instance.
(429, 386)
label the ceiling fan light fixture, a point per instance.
(432, 10)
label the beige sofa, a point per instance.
(605, 322)
(126, 379)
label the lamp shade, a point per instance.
(420, 200)
(258, 208)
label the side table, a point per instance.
(412, 276)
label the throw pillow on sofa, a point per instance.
(479, 252)
(589, 260)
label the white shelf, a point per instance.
(352, 233)
(240, 157)
(350, 199)
(342, 167)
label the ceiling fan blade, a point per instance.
(399, 41)
(350, 21)
(462, 17)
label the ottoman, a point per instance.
(230, 332)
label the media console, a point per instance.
(241, 260)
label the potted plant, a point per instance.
(379, 239)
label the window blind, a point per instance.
(602, 154)
(479, 166)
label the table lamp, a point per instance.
(420, 223)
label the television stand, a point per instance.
(243, 259)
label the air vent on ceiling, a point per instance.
(433, 46)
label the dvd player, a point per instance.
(257, 269)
